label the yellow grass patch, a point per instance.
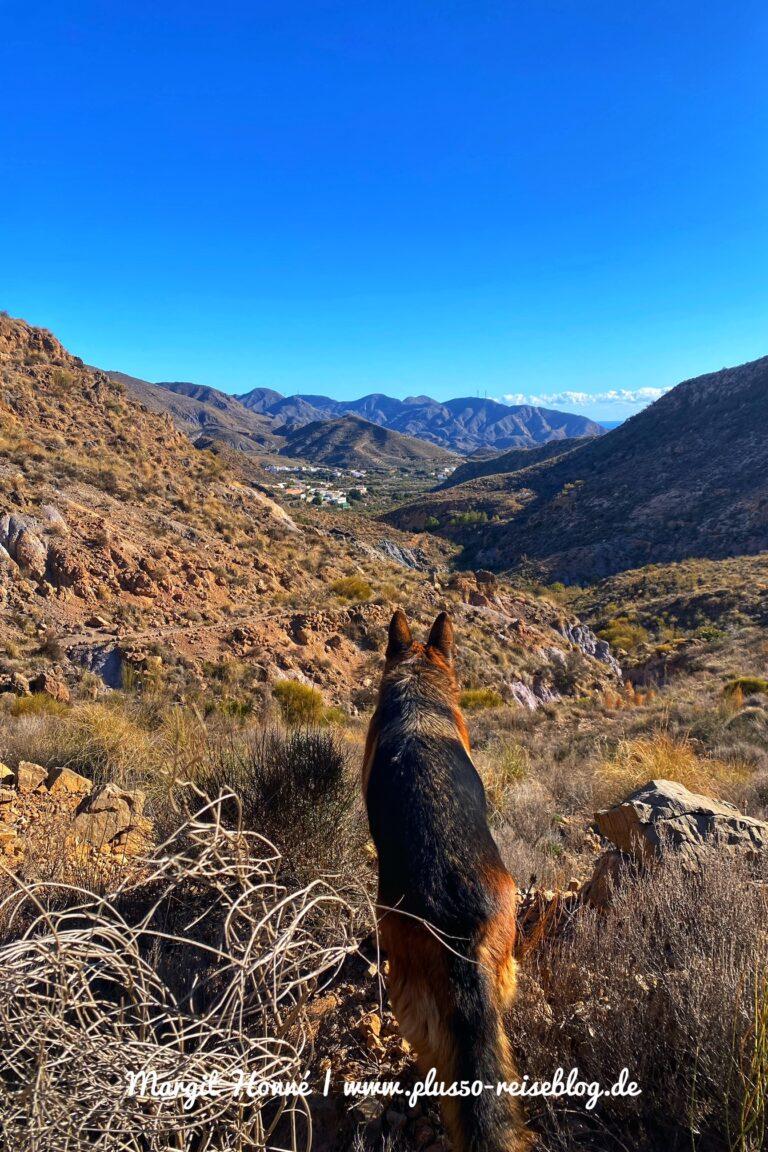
(662, 756)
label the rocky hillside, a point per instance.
(351, 442)
(511, 461)
(125, 550)
(461, 425)
(687, 477)
(199, 411)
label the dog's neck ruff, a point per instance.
(415, 705)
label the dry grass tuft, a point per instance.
(662, 756)
(662, 983)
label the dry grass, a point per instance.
(662, 756)
(103, 741)
(663, 984)
(204, 966)
(475, 699)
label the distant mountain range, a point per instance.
(263, 420)
(461, 425)
(686, 477)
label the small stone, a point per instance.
(9, 840)
(371, 1022)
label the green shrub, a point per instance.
(352, 588)
(747, 685)
(474, 699)
(472, 517)
(622, 632)
(299, 703)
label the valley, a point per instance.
(192, 604)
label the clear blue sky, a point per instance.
(525, 198)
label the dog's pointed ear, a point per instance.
(441, 637)
(400, 638)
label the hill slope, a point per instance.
(124, 547)
(511, 461)
(351, 442)
(197, 410)
(686, 477)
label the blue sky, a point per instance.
(552, 200)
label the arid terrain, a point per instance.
(177, 629)
(686, 477)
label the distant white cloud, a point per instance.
(625, 397)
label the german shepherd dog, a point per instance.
(446, 903)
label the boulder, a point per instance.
(67, 781)
(30, 777)
(664, 813)
(12, 525)
(136, 840)
(107, 812)
(50, 683)
(30, 553)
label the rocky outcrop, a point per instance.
(66, 569)
(107, 661)
(414, 558)
(665, 814)
(585, 640)
(61, 805)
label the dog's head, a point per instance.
(419, 690)
(438, 651)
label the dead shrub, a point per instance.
(662, 983)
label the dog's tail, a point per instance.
(490, 1120)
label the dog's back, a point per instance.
(446, 902)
